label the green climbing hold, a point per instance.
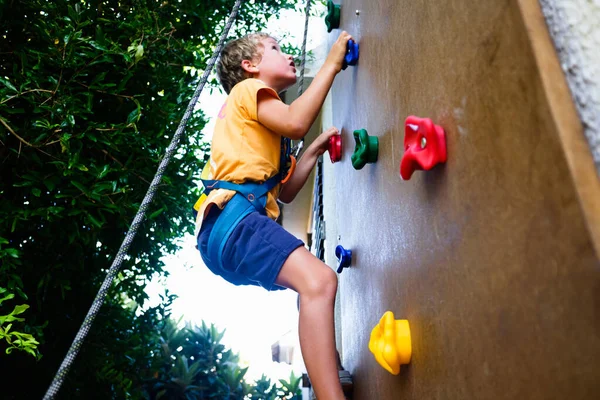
(367, 149)
(332, 19)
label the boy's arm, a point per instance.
(305, 166)
(294, 120)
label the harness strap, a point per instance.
(250, 190)
(236, 209)
(250, 197)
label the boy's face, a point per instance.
(276, 68)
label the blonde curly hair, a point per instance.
(229, 66)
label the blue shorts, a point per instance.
(255, 251)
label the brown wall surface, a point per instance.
(488, 256)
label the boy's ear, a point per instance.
(249, 66)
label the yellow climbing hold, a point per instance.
(390, 342)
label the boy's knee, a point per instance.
(324, 284)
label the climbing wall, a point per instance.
(491, 256)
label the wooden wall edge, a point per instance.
(570, 129)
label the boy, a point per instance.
(246, 149)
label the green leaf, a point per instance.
(9, 297)
(99, 78)
(36, 192)
(40, 138)
(156, 213)
(134, 116)
(14, 253)
(23, 184)
(20, 309)
(124, 81)
(96, 222)
(49, 184)
(74, 16)
(79, 186)
(104, 171)
(20, 292)
(99, 34)
(139, 52)
(9, 85)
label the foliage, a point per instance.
(197, 366)
(91, 92)
(15, 339)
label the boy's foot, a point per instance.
(345, 377)
(346, 381)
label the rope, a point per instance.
(303, 56)
(137, 221)
(298, 147)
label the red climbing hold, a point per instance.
(424, 146)
(335, 148)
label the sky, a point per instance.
(252, 317)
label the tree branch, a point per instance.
(23, 140)
(14, 133)
(27, 91)
(102, 91)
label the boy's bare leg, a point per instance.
(316, 284)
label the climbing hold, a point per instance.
(344, 258)
(390, 342)
(351, 57)
(332, 19)
(424, 146)
(367, 149)
(335, 148)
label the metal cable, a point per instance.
(303, 55)
(300, 144)
(137, 221)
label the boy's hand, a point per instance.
(305, 165)
(321, 143)
(338, 51)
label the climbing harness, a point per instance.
(249, 197)
(137, 221)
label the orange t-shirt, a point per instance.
(242, 149)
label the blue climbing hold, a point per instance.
(351, 57)
(344, 258)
